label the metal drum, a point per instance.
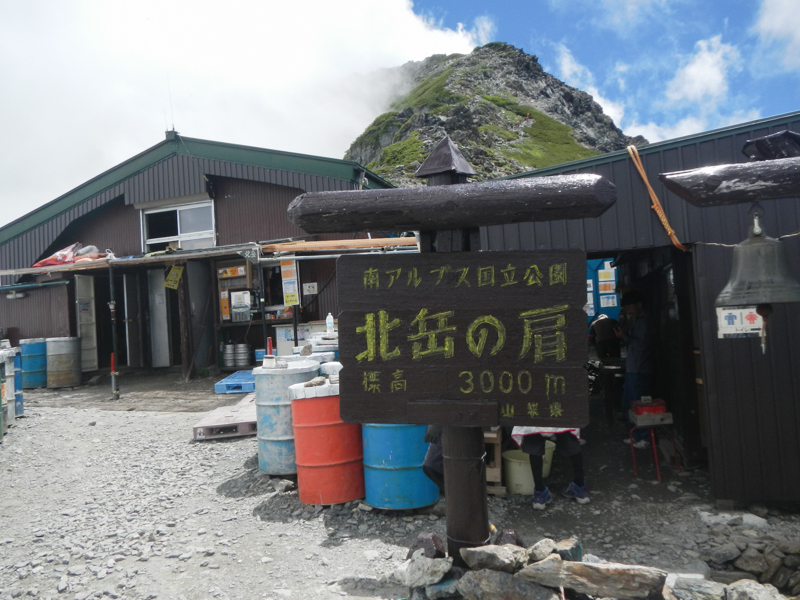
(393, 477)
(228, 355)
(276, 453)
(329, 451)
(19, 409)
(34, 362)
(241, 355)
(63, 362)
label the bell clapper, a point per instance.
(764, 311)
(756, 211)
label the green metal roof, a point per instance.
(176, 144)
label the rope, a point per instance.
(656, 206)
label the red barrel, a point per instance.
(329, 454)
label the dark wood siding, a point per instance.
(249, 211)
(752, 399)
(114, 226)
(44, 312)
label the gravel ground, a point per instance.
(104, 498)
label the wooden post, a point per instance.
(184, 311)
(467, 512)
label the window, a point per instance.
(186, 227)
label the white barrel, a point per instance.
(63, 362)
(276, 452)
(228, 356)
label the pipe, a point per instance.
(29, 286)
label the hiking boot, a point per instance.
(578, 492)
(639, 445)
(541, 499)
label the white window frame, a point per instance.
(212, 233)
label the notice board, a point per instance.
(464, 339)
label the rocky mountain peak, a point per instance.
(505, 113)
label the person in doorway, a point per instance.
(640, 360)
(604, 335)
(531, 441)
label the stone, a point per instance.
(792, 561)
(774, 562)
(725, 553)
(609, 580)
(751, 561)
(508, 536)
(728, 577)
(751, 590)
(283, 485)
(789, 546)
(541, 550)
(447, 587)
(686, 588)
(781, 577)
(570, 549)
(420, 571)
(508, 558)
(496, 585)
(431, 545)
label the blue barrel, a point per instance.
(33, 362)
(393, 477)
(19, 409)
(276, 452)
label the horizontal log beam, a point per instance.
(733, 184)
(454, 206)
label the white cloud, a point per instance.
(624, 17)
(484, 30)
(689, 125)
(777, 28)
(704, 77)
(87, 85)
(578, 76)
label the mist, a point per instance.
(89, 84)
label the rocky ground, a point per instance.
(113, 498)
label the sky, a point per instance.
(87, 84)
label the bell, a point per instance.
(760, 273)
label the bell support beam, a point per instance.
(733, 184)
(454, 206)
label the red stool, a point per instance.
(651, 421)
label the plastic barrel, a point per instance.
(276, 453)
(63, 362)
(33, 354)
(393, 477)
(329, 451)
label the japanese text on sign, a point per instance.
(493, 327)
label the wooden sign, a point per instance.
(465, 339)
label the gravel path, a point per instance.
(121, 503)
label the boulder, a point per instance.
(508, 558)
(430, 544)
(420, 570)
(686, 588)
(496, 585)
(541, 550)
(747, 589)
(725, 553)
(606, 580)
(752, 561)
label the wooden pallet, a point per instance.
(240, 382)
(494, 461)
(229, 421)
